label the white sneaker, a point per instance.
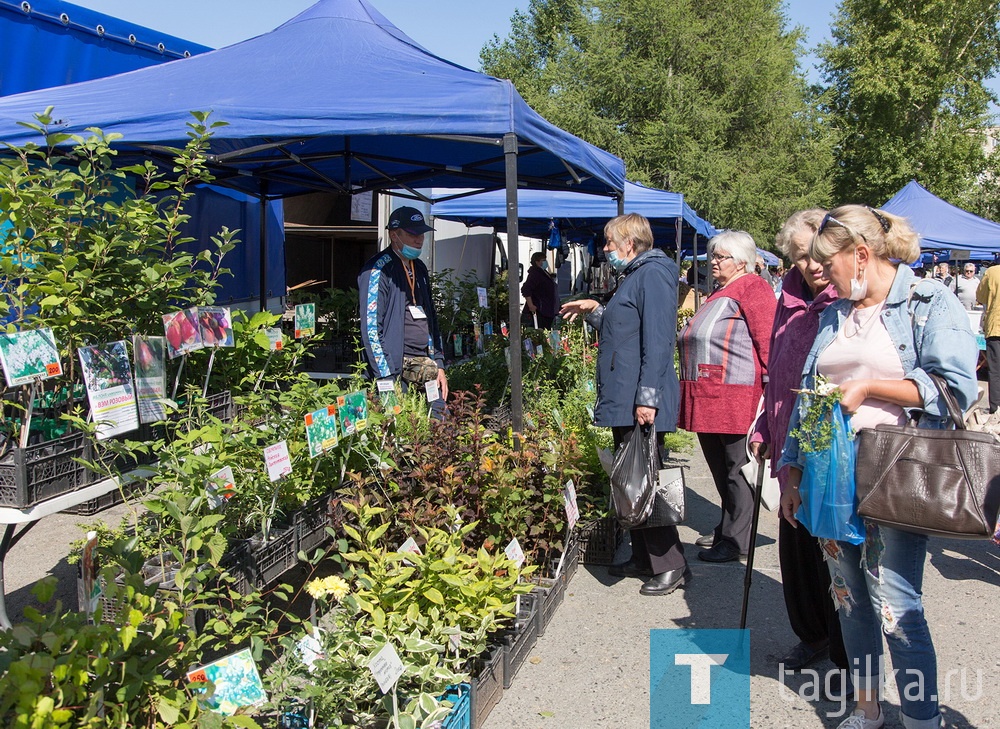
(857, 720)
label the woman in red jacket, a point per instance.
(723, 365)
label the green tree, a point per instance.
(905, 94)
(704, 98)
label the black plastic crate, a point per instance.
(111, 610)
(221, 406)
(254, 563)
(570, 561)
(29, 476)
(310, 523)
(550, 594)
(599, 540)
(519, 642)
(487, 685)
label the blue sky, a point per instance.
(453, 29)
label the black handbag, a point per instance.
(936, 482)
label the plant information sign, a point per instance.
(216, 326)
(279, 464)
(321, 430)
(386, 667)
(149, 354)
(28, 356)
(305, 320)
(110, 390)
(353, 412)
(182, 331)
(235, 680)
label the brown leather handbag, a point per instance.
(936, 482)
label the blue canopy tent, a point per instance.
(579, 215)
(60, 43)
(941, 225)
(336, 99)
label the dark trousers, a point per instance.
(805, 580)
(993, 364)
(726, 454)
(660, 546)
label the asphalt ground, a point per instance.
(591, 668)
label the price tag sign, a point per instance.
(386, 666)
(433, 391)
(221, 487)
(483, 301)
(572, 509)
(278, 462)
(514, 552)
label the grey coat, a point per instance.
(635, 359)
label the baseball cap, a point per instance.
(409, 219)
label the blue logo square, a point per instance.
(699, 678)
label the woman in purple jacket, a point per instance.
(804, 575)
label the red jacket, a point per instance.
(723, 357)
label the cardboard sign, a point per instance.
(278, 462)
(386, 667)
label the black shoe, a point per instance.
(724, 551)
(838, 687)
(706, 540)
(666, 582)
(632, 568)
(803, 655)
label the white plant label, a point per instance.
(278, 462)
(274, 338)
(410, 545)
(386, 667)
(433, 391)
(572, 509)
(514, 552)
(483, 300)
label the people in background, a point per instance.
(399, 326)
(966, 285)
(988, 294)
(879, 343)
(636, 381)
(805, 580)
(723, 364)
(541, 294)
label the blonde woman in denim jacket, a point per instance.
(878, 344)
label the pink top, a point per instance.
(863, 350)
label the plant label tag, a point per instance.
(278, 462)
(433, 391)
(538, 350)
(529, 347)
(389, 395)
(221, 487)
(488, 329)
(386, 667)
(514, 552)
(305, 320)
(411, 546)
(310, 649)
(554, 340)
(572, 509)
(455, 640)
(484, 302)
(274, 339)
(28, 356)
(503, 328)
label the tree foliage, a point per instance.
(906, 96)
(704, 98)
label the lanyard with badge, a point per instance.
(416, 311)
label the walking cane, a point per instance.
(753, 542)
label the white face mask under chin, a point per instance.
(859, 288)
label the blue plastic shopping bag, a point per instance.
(827, 489)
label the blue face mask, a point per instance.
(617, 262)
(411, 253)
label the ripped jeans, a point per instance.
(877, 590)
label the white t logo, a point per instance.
(701, 673)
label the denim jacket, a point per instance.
(934, 336)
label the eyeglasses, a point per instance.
(719, 258)
(827, 219)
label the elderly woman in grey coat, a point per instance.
(636, 381)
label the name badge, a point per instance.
(417, 312)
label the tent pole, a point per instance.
(263, 245)
(621, 204)
(677, 233)
(513, 289)
(697, 293)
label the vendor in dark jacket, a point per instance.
(541, 295)
(636, 381)
(399, 326)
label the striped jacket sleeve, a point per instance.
(369, 282)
